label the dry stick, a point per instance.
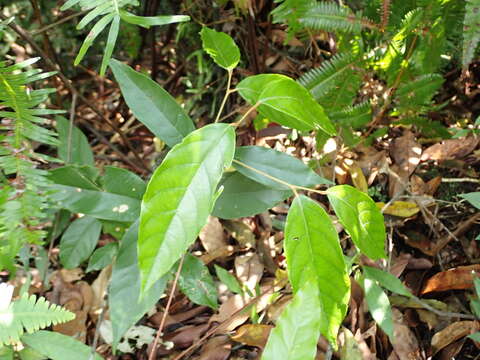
(153, 352)
(443, 313)
(215, 328)
(23, 34)
(59, 22)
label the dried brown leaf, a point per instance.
(212, 236)
(451, 149)
(458, 278)
(451, 333)
(217, 348)
(404, 342)
(253, 334)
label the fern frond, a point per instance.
(289, 12)
(111, 11)
(336, 82)
(330, 16)
(355, 116)
(417, 94)
(29, 314)
(22, 213)
(385, 13)
(471, 30)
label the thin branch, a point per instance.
(227, 93)
(59, 22)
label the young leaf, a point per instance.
(229, 280)
(152, 105)
(79, 241)
(221, 48)
(296, 333)
(361, 218)
(387, 280)
(179, 198)
(379, 306)
(57, 346)
(313, 252)
(196, 282)
(242, 197)
(284, 101)
(102, 257)
(79, 148)
(277, 164)
(473, 198)
(123, 294)
(147, 21)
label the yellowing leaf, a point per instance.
(253, 334)
(356, 174)
(400, 208)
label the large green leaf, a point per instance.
(242, 197)
(361, 218)
(152, 105)
(79, 241)
(296, 333)
(79, 190)
(57, 346)
(123, 294)
(74, 146)
(220, 47)
(284, 101)
(196, 282)
(313, 251)
(277, 164)
(473, 198)
(179, 198)
(379, 306)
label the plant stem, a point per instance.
(227, 93)
(254, 107)
(292, 187)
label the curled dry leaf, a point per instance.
(253, 335)
(458, 278)
(452, 333)
(212, 236)
(451, 149)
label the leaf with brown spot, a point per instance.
(458, 278)
(452, 333)
(253, 335)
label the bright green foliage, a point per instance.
(471, 30)
(102, 257)
(286, 102)
(289, 12)
(73, 147)
(328, 15)
(229, 280)
(23, 198)
(277, 164)
(111, 11)
(473, 198)
(152, 105)
(196, 282)
(125, 305)
(418, 93)
(361, 218)
(179, 198)
(313, 252)
(386, 280)
(57, 346)
(29, 314)
(334, 84)
(379, 306)
(79, 241)
(242, 197)
(221, 48)
(296, 333)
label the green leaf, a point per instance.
(79, 241)
(475, 336)
(147, 21)
(84, 177)
(229, 280)
(473, 198)
(111, 40)
(379, 306)
(284, 101)
(102, 257)
(123, 182)
(57, 346)
(220, 47)
(179, 198)
(296, 333)
(243, 197)
(471, 31)
(313, 252)
(92, 35)
(126, 308)
(80, 150)
(196, 282)
(152, 105)
(277, 164)
(387, 280)
(361, 218)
